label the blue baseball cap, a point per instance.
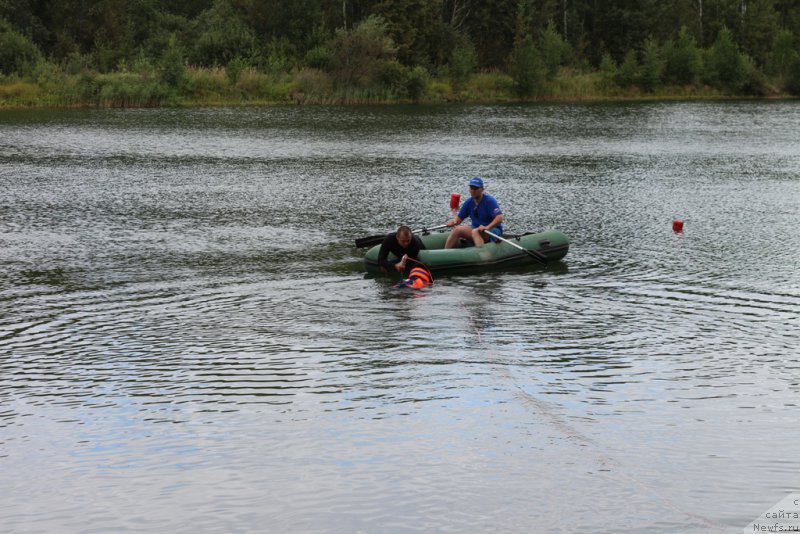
(476, 182)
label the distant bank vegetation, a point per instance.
(124, 53)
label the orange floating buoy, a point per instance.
(677, 225)
(418, 278)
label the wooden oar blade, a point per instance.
(373, 240)
(538, 256)
(370, 241)
(535, 254)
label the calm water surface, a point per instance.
(188, 342)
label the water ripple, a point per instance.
(186, 329)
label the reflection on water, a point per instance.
(188, 340)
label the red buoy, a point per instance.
(455, 200)
(677, 225)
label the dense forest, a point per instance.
(157, 52)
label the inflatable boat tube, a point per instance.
(552, 244)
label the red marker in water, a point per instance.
(455, 200)
(677, 225)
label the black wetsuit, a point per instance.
(390, 244)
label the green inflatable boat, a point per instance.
(550, 246)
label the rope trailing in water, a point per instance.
(574, 435)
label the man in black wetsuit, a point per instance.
(403, 242)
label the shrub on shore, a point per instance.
(360, 65)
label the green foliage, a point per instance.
(79, 89)
(18, 54)
(297, 22)
(391, 74)
(205, 84)
(312, 85)
(462, 62)
(158, 31)
(277, 57)
(651, 72)
(105, 56)
(412, 25)
(20, 93)
(129, 90)
(491, 27)
(683, 65)
(759, 23)
(784, 54)
(440, 91)
(527, 69)
(358, 54)
(183, 46)
(628, 72)
(725, 65)
(142, 64)
(489, 86)
(76, 63)
(263, 87)
(752, 82)
(577, 85)
(608, 71)
(222, 35)
(402, 81)
(48, 75)
(793, 77)
(417, 83)
(623, 26)
(553, 50)
(443, 41)
(171, 68)
(113, 90)
(320, 57)
(234, 68)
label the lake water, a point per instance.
(189, 343)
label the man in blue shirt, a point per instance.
(484, 212)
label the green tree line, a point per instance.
(153, 52)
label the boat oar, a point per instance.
(535, 254)
(378, 239)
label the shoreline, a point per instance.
(343, 102)
(212, 88)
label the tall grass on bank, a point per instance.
(18, 93)
(571, 85)
(50, 86)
